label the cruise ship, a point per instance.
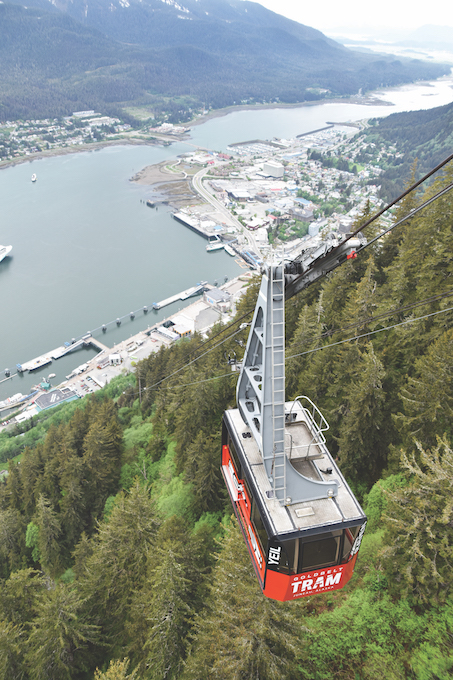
(4, 251)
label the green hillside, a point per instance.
(422, 136)
(117, 545)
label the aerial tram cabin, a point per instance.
(299, 518)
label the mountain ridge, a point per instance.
(106, 55)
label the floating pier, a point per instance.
(34, 364)
(59, 352)
(190, 292)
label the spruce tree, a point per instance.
(58, 645)
(113, 567)
(161, 611)
(362, 439)
(428, 396)
(241, 634)
(49, 527)
(419, 528)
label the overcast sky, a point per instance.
(331, 14)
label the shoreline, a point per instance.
(171, 188)
(156, 141)
(368, 100)
(65, 151)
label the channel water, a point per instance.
(87, 249)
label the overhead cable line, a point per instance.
(413, 212)
(401, 196)
(383, 315)
(310, 351)
(363, 226)
(364, 335)
(194, 360)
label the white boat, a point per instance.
(33, 177)
(229, 250)
(214, 245)
(4, 251)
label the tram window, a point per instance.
(321, 552)
(234, 456)
(259, 527)
(349, 537)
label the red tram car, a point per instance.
(299, 549)
(299, 518)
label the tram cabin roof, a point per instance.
(309, 455)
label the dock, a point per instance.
(195, 290)
(34, 364)
(205, 228)
(190, 292)
(59, 352)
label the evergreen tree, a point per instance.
(428, 396)
(362, 441)
(103, 446)
(203, 473)
(241, 634)
(306, 336)
(116, 671)
(73, 503)
(13, 488)
(160, 614)
(12, 641)
(60, 634)
(12, 541)
(19, 597)
(115, 565)
(49, 528)
(419, 529)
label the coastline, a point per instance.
(66, 150)
(367, 100)
(169, 186)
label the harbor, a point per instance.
(88, 340)
(46, 359)
(217, 303)
(114, 252)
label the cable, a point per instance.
(370, 221)
(364, 335)
(362, 322)
(413, 212)
(370, 319)
(401, 196)
(207, 342)
(193, 360)
(310, 351)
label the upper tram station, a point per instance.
(300, 520)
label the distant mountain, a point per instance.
(59, 56)
(430, 36)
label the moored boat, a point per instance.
(4, 251)
(228, 249)
(214, 246)
(33, 177)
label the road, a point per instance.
(197, 184)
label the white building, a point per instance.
(273, 169)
